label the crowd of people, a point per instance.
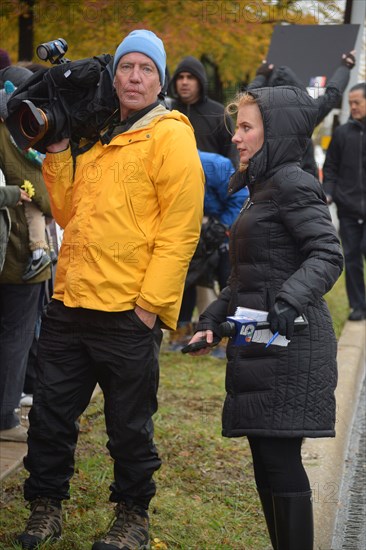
(175, 198)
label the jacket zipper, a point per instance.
(248, 204)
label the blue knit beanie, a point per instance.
(145, 42)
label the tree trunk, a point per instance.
(25, 49)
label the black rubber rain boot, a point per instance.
(266, 499)
(294, 521)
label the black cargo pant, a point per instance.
(77, 349)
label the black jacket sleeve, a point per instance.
(9, 195)
(333, 92)
(305, 214)
(259, 81)
(216, 312)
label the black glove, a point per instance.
(281, 319)
(348, 60)
(265, 69)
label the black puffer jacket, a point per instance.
(282, 246)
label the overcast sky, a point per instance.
(331, 13)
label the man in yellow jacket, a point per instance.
(131, 210)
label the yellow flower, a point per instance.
(28, 188)
(159, 545)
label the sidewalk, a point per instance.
(324, 458)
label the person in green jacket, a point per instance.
(12, 195)
(19, 299)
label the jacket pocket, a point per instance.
(135, 319)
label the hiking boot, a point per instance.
(44, 523)
(130, 530)
(35, 267)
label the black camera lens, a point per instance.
(29, 125)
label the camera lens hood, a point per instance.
(27, 125)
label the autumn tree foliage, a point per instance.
(230, 36)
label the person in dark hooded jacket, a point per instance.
(285, 255)
(345, 184)
(269, 75)
(212, 128)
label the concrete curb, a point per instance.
(324, 459)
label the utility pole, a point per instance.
(348, 12)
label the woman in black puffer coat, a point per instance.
(285, 255)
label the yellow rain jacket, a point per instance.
(131, 214)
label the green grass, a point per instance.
(206, 495)
(338, 304)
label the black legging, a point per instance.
(277, 464)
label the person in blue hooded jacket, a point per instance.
(220, 205)
(211, 260)
(213, 130)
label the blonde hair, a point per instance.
(241, 99)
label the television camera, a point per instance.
(74, 99)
